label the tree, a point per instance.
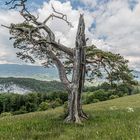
(37, 41)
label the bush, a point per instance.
(19, 112)
(49, 104)
(56, 103)
(22, 110)
(136, 90)
(95, 100)
(44, 106)
(5, 114)
(105, 86)
(101, 95)
(113, 96)
(63, 96)
(88, 98)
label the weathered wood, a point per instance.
(76, 113)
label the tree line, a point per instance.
(19, 104)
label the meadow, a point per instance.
(117, 119)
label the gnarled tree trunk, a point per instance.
(75, 112)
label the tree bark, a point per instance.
(75, 112)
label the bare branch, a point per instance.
(61, 69)
(5, 26)
(11, 2)
(63, 48)
(59, 16)
(21, 3)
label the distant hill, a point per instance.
(35, 72)
(28, 71)
(26, 85)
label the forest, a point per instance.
(48, 95)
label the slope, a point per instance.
(117, 119)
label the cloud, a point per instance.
(111, 25)
(63, 32)
(7, 53)
(118, 28)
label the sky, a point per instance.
(111, 25)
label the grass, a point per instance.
(109, 120)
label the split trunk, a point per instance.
(75, 112)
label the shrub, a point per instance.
(125, 94)
(95, 100)
(101, 95)
(56, 103)
(63, 96)
(19, 112)
(44, 106)
(136, 90)
(59, 101)
(50, 104)
(106, 86)
(88, 98)
(113, 96)
(22, 110)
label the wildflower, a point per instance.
(113, 108)
(97, 132)
(130, 109)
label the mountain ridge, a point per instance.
(36, 72)
(28, 71)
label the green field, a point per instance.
(117, 119)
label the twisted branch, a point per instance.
(59, 16)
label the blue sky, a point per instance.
(112, 25)
(77, 3)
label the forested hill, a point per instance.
(24, 85)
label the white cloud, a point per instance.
(114, 20)
(61, 29)
(7, 53)
(121, 27)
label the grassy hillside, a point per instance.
(117, 119)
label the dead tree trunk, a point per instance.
(75, 112)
